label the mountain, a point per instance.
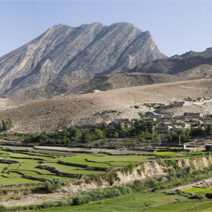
(76, 52)
(191, 65)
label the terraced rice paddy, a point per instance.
(18, 168)
(23, 170)
(32, 167)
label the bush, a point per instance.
(172, 172)
(125, 189)
(82, 199)
(53, 184)
(48, 204)
(128, 168)
(2, 208)
(112, 177)
(208, 195)
(137, 185)
(64, 203)
(198, 196)
(6, 125)
(99, 194)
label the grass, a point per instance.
(164, 153)
(29, 161)
(194, 190)
(135, 202)
(107, 161)
(16, 181)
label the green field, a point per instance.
(26, 166)
(159, 202)
(194, 190)
(29, 170)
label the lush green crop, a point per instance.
(194, 190)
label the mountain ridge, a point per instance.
(75, 51)
(177, 63)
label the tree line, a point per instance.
(142, 130)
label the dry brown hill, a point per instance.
(121, 80)
(199, 72)
(79, 85)
(93, 108)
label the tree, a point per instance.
(141, 115)
(87, 137)
(98, 133)
(6, 125)
(74, 133)
(208, 130)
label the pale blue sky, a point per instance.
(176, 26)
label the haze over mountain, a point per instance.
(76, 52)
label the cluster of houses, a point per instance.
(167, 122)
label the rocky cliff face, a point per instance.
(75, 51)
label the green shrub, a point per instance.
(2, 208)
(137, 185)
(112, 177)
(64, 203)
(151, 183)
(82, 199)
(208, 195)
(48, 204)
(197, 196)
(99, 194)
(52, 185)
(128, 169)
(125, 189)
(6, 125)
(172, 172)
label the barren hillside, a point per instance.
(121, 80)
(94, 108)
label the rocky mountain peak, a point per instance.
(82, 51)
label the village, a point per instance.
(168, 122)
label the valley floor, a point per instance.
(158, 201)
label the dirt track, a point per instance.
(74, 150)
